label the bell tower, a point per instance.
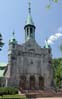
(29, 26)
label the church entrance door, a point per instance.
(23, 82)
(41, 82)
(32, 82)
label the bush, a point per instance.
(8, 90)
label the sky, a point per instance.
(13, 15)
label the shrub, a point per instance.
(8, 90)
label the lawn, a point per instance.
(12, 97)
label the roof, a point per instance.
(31, 44)
(29, 20)
(2, 69)
(3, 64)
(2, 73)
(13, 40)
(46, 44)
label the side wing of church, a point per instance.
(29, 65)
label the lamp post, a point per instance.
(1, 42)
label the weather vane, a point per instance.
(13, 34)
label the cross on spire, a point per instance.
(29, 7)
(13, 34)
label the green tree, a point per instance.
(52, 1)
(61, 47)
(57, 69)
(1, 42)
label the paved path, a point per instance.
(48, 98)
(51, 98)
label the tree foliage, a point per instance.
(57, 70)
(61, 47)
(52, 1)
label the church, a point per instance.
(29, 65)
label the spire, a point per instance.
(29, 20)
(29, 26)
(46, 44)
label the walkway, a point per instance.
(48, 98)
(51, 98)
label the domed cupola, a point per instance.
(13, 40)
(12, 44)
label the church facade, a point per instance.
(29, 65)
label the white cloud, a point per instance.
(50, 42)
(58, 34)
(53, 38)
(60, 29)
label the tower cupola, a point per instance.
(13, 40)
(29, 26)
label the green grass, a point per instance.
(0, 97)
(12, 97)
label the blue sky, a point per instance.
(13, 15)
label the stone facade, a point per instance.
(29, 65)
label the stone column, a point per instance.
(6, 82)
(36, 82)
(45, 80)
(27, 81)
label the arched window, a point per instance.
(30, 30)
(27, 31)
(13, 45)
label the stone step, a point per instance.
(41, 93)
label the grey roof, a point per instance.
(2, 73)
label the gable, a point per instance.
(32, 45)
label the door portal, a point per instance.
(23, 82)
(32, 82)
(41, 82)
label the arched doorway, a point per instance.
(32, 82)
(23, 82)
(41, 82)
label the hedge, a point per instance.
(8, 91)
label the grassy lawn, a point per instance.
(12, 97)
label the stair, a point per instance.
(41, 93)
